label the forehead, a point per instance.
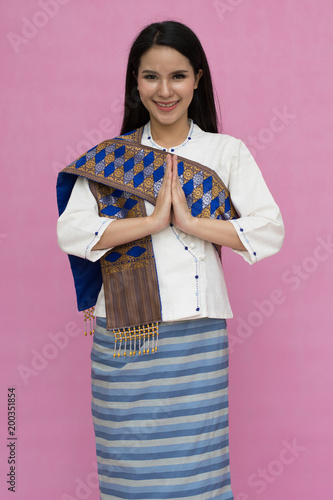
(163, 59)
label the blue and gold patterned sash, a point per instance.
(122, 174)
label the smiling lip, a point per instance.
(166, 106)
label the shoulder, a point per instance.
(221, 143)
(227, 155)
(221, 148)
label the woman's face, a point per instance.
(166, 82)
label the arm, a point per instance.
(258, 232)
(79, 227)
(220, 232)
(124, 230)
(260, 225)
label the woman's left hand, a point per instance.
(221, 232)
(181, 216)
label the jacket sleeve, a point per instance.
(260, 225)
(80, 227)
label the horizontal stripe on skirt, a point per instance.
(161, 419)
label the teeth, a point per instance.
(167, 105)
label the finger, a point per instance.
(168, 169)
(176, 186)
(174, 171)
(175, 166)
(166, 183)
(168, 163)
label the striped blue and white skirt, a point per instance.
(161, 419)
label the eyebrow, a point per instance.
(172, 73)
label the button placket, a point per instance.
(187, 248)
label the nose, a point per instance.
(164, 89)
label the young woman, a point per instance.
(143, 217)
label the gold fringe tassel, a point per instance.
(89, 321)
(135, 339)
(138, 339)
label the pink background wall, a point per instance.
(63, 65)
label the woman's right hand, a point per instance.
(162, 212)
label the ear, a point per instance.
(197, 78)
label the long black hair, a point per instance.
(177, 36)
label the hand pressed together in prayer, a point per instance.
(171, 205)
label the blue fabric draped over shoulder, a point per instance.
(87, 275)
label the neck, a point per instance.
(169, 135)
